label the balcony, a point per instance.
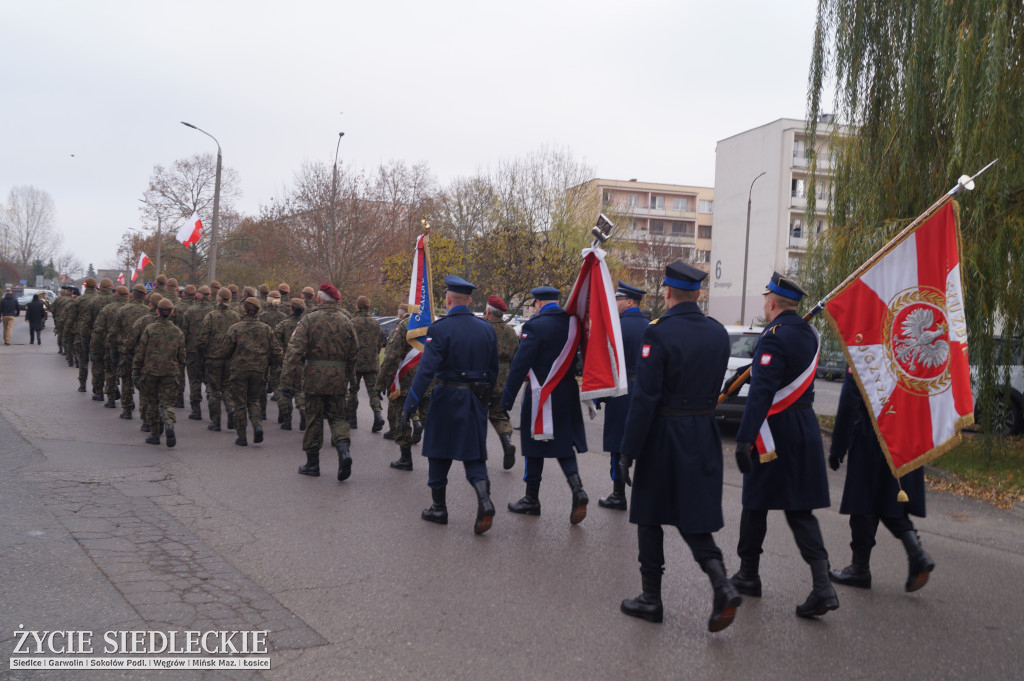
(797, 201)
(797, 243)
(644, 211)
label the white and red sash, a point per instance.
(409, 362)
(785, 398)
(542, 425)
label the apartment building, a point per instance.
(768, 167)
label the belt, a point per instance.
(325, 363)
(669, 411)
(794, 407)
(461, 385)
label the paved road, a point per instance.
(102, 532)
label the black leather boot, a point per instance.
(579, 499)
(196, 415)
(171, 440)
(127, 415)
(81, 387)
(215, 427)
(390, 435)
(438, 511)
(97, 398)
(404, 462)
(110, 404)
(484, 506)
(646, 606)
(257, 433)
(920, 563)
(344, 461)
(509, 450)
(823, 595)
(617, 499)
(726, 598)
(378, 422)
(286, 423)
(312, 465)
(241, 441)
(144, 427)
(302, 420)
(180, 402)
(153, 439)
(230, 416)
(747, 581)
(529, 504)
(855, 574)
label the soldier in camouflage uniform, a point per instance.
(264, 294)
(117, 331)
(70, 320)
(321, 358)
(211, 346)
(234, 304)
(80, 312)
(191, 325)
(508, 341)
(252, 349)
(128, 348)
(155, 367)
(397, 348)
(100, 333)
(89, 308)
(283, 331)
(58, 316)
(371, 340)
(309, 298)
(272, 315)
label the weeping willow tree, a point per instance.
(926, 91)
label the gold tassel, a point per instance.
(768, 456)
(902, 496)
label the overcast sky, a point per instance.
(641, 89)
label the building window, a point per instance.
(799, 149)
(681, 204)
(818, 228)
(658, 202)
(703, 257)
(682, 228)
(706, 206)
(635, 226)
(609, 197)
(796, 229)
(704, 231)
(634, 200)
(657, 226)
(799, 189)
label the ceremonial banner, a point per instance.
(421, 312)
(592, 310)
(189, 232)
(905, 331)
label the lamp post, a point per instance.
(746, 253)
(216, 204)
(334, 194)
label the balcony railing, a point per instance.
(798, 243)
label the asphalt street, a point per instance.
(99, 531)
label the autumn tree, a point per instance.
(27, 224)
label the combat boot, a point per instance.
(180, 402)
(344, 461)
(617, 499)
(920, 563)
(196, 415)
(438, 511)
(171, 440)
(126, 414)
(215, 427)
(530, 503)
(286, 423)
(726, 599)
(823, 595)
(378, 422)
(81, 387)
(389, 435)
(263, 415)
(509, 450)
(153, 439)
(855, 574)
(97, 397)
(302, 420)
(144, 427)
(747, 581)
(110, 404)
(579, 499)
(484, 506)
(646, 606)
(312, 465)
(257, 433)
(241, 441)
(404, 462)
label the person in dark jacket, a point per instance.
(541, 342)
(35, 315)
(871, 494)
(672, 433)
(9, 309)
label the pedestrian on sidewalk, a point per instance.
(35, 316)
(9, 309)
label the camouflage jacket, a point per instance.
(121, 326)
(396, 350)
(272, 315)
(508, 342)
(213, 331)
(101, 327)
(192, 323)
(59, 306)
(284, 330)
(371, 340)
(131, 339)
(71, 314)
(321, 354)
(89, 305)
(251, 345)
(161, 350)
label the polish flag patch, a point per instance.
(428, 339)
(645, 351)
(766, 359)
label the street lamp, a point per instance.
(334, 194)
(746, 253)
(216, 205)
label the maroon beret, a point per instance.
(497, 303)
(330, 290)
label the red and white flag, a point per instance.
(190, 231)
(120, 279)
(421, 312)
(594, 322)
(905, 329)
(143, 261)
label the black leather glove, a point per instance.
(744, 460)
(835, 460)
(403, 424)
(735, 377)
(622, 468)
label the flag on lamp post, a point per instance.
(189, 232)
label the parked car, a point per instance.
(831, 365)
(1009, 359)
(742, 341)
(387, 323)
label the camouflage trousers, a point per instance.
(217, 388)
(70, 348)
(111, 369)
(156, 397)
(498, 416)
(83, 362)
(319, 407)
(274, 386)
(370, 379)
(98, 356)
(196, 376)
(127, 387)
(246, 387)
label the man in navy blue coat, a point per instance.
(793, 478)
(541, 342)
(672, 434)
(461, 351)
(633, 324)
(871, 494)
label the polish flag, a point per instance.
(189, 232)
(143, 261)
(120, 279)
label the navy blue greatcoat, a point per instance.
(678, 476)
(461, 348)
(633, 325)
(870, 486)
(540, 343)
(796, 480)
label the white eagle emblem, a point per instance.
(917, 344)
